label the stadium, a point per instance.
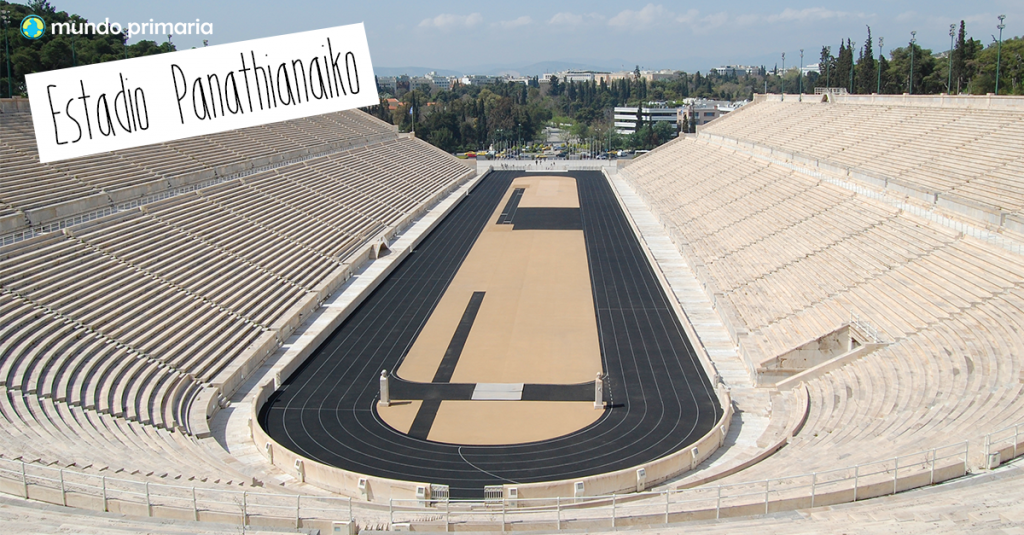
(808, 314)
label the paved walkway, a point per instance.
(990, 502)
(752, 405)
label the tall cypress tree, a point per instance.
(889, 84)
(826, 67)
(866, 68)
(959, 60)
(844, 62)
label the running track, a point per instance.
(661, 400)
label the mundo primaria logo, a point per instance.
(33, 27)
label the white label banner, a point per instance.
(153, 99)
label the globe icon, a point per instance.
(32, 27)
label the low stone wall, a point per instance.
(943, 203)
(977, 102)
(628, 479)
(327, 477)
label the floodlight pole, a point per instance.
(999, 50)
(5, 15)
(828, 70)
(782, 79)
(801, 72)
(913, 40)
(851, 66)
(949, 80)
(878, 88)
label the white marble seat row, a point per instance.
(111, 329)
(27, 184)
(941, 149)
(796, 258)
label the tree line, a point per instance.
(51, 51)
(969, 68)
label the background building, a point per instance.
(625, 118)
(701, 112)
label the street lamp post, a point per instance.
(949, 80)
(878, 85)
(782, 79)
(913, 39)
(6, 16)
(851, 66)
(828, 68)
(801, 73)
(999, 50)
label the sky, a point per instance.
(476, 36)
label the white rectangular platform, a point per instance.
(498, 391)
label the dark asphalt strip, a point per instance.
(424, 419)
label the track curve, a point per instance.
(660, 398)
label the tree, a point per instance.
(889, 83)
(924, 67)
(959, 61)
(56, 51)
(579, 130)
(555, 89)
(844, 66)
(984, 64)
(826, 66)
(663, 132)
(866, 68)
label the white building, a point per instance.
(387, 84)
(476, 79)
(625, 118)
(440, 82)
(736, 70)
(816, 67)
(577, 76)
(705, 111)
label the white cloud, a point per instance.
(566, 18)
(447, 21)
(809, 14)
(688, 17)
(570, 19)
(749, 19)
(714, 20)
(521, 21)
(639, 20)
(788, 15)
